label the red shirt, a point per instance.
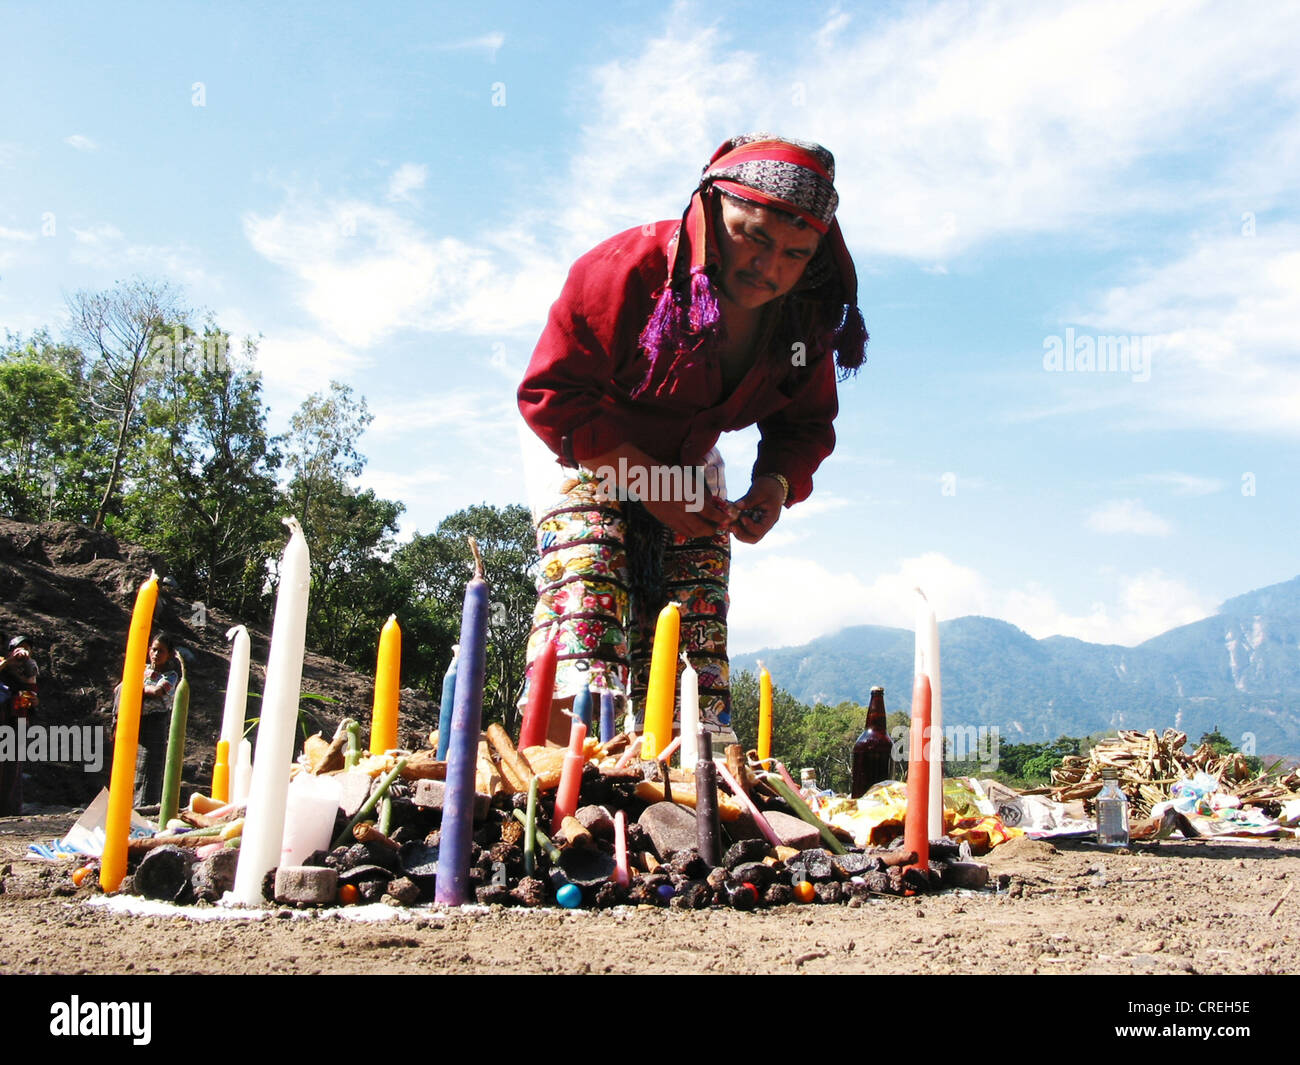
(577, 392)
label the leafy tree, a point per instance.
(122, 329)
(202, 487)
(434, 569)
(787, 719)
(48, 448)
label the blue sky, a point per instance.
(390, 195)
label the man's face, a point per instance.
(763, 253)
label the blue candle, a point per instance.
(462, 750)
(607, 727)
(582, 706)
(448, 701)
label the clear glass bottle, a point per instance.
(808, 782)
(1112, 811)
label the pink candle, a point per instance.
(566, 798)
(622, 873)
(769, 833)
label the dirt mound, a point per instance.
(71, 591)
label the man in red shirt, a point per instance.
(663, 338)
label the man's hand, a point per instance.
(689, 523)
(689, 518)
(759, 510)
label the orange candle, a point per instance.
(764, 713)
(221, 772)
(916, 830)
(121, 788)
(388, 673)
(662, 690)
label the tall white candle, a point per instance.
(690, 702)
(264, 823)
(232, 719)
(927, 662)
(243, 775)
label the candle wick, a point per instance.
(478, 559)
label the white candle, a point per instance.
(690, 715)
(927, 662)
(232, 719)
(264, 822)
(243, 773)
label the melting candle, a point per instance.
(662, 687)
(607, 726)
(541, 687)
(764, 714)
(448, 705)
(582, 706)
(236, 704)
(566, 797)
(708, 826)
(916, 826)
(690, 714)
(927, 644)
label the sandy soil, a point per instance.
(1166, 908)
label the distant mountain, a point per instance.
(1239, 670)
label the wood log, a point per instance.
(514, 766)
(368, 833)
(652, 791)
(576, 833)
(487, 778)
(424, 765)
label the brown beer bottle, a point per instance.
(871, 753)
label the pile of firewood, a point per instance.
(1149, 765)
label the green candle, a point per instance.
(530, 827)
(171, 791)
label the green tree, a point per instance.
(49, 456)
(202, 488)
(787, 720)
(434, 569)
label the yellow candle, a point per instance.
(121, 788)
(221, 772)
(764, 713)
(388, 673)
(663, 682)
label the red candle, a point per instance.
(566, 798)
(541, 686)
(916, 832)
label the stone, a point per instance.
(420, 861)
(693, 895)
(746, 850)
(402, 892)
(364, 874)
(596, 820)
(587, 867)
(671, 828)
(829, 891)
(530, 891)
(164, 873)
(494, 895)
(755, 873)
(430, 794)
(792, 831)
(817, 864)
(354, 790)
(688, 865)
(214, 876)
(969, 875)
(306, 885)
(855, 863)
(778, 894)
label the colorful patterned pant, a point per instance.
(585, 603)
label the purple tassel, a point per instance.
(705, 314)
(661, 337)
(851, 341)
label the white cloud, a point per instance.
(1224, 323)
(467, 412)
(1127, 516)
(790, 601)
(81, 142)
(103, 247)
(298, 363)
(16, 234)
(491, 43)
(1186, 484)
(406, 179)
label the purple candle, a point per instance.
(708, 827)
(582, 706)
(607, 726)
(462, 749)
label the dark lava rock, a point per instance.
(372, 890)
(778, 894)
(817, 864)
(946, 850)
(164, 873)
(494, 895)
(364, 874)
(689, 865)
(587, 867)
(402, 891)
(530, 892)
(755, 873)
(420, 861)
(829, 891)
(214, 876)
(747, 850)
(610, 894)
(878, 881)
(693, 895)
(855, 863)
(597, 821)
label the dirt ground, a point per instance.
(1165, 908)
